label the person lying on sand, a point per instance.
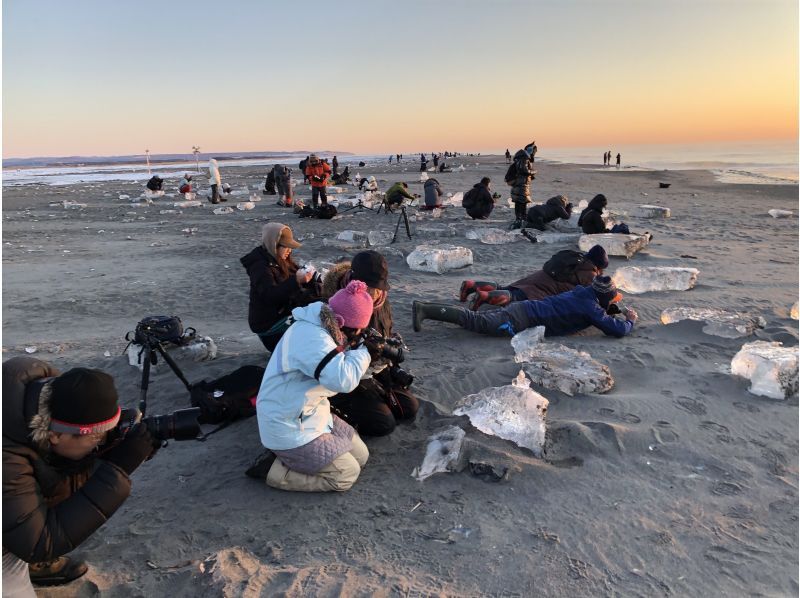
(554, 208)
(561, 314)
(540, 284)
(321, 354)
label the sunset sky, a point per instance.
(92, 77)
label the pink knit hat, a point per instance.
(352, 305)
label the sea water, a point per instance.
(773, 162)
(766, 162)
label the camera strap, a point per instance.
(326, 360)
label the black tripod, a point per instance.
(149, 353)
(359, 206)
(404, 218)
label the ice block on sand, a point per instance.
(380, 237)
(493, 236)
(770, 367)
(648, 211)
(614, 243)
(438, 258)
(191, 203)
(635, 279)
(442, 454)
(515, 412)
(556, 237)
(558, 367)
(727, 324)
(793, 313)
(781, 213)
(245, 205)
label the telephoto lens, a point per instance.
(178, 425)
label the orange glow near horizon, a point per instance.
(622, 73)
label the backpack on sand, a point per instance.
(562, 265)
(325, 212)
(469, 199)
(511, 173)
(229, 398)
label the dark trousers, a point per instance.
(375, 406)
(480, 213)
(319, 194)
(214, 194)
(536, 221)
(506, 321)
(520, 210)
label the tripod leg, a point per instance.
(147, 354)
(405, 220)
(174, 367)
(396, 229)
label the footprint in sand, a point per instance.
(714, 427)
(726, 489)
(690, 406)
(747, 407)
(663, 432)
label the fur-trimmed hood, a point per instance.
(26, 416)
(332, 281)
(321, 315)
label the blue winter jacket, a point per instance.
(292, 406)
(573, 311)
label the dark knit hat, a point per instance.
(370, 268)
(83, 401)
(605, 290)
(598, 256)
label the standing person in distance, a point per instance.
(335, 164)
(318, 172)
(521, 183)
(215, 181)
(619, 160)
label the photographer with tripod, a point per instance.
(58, 487)
(382, 399)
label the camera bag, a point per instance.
(228, 398)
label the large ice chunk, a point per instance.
(635, 279)
(648, 211)
(526, 342)
(515, 412)
(455, 199)
(614, 243)
(436, 231)
(202, 348)
(438, 258)
(770, 367)
(493, 236)
(380, 237)
(443, 453)
(245, 205)
(556, 237)
(353, 236)
(423, 176)
(781, 213)
(567, 226)
(727, 324)
(561, 368)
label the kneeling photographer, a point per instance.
(66, 467)
(383, 398)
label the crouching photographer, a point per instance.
(66, 467)
(382, 398)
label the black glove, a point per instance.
(137, 445)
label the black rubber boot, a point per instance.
(261, 466)
(56, 573)
(441, 312)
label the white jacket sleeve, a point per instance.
(343, 372)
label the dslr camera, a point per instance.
(178, 425)
(394, 351)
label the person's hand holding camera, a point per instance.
(134, 448)
(631, 315)
(303, 276)
(374, 346)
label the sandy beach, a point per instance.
(676, 482)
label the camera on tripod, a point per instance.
(150, 333)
